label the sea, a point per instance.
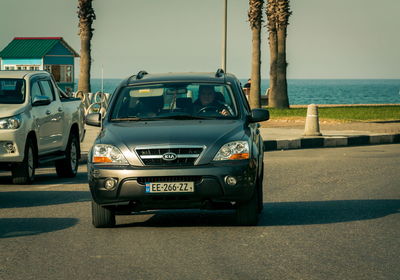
(316, 91)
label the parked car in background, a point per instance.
(177, 140)
(38, 124)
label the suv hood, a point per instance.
(166, 132)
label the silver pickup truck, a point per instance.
(38, 124)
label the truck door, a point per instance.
(56, 115)
(44, 117)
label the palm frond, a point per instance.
(86, 16)
(283, 13)
(255, 15)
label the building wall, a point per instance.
(15, 62)
(62, 60)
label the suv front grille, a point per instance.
(144, 180)
(182, 155)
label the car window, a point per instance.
(35, 90)
(246, 102)
(175, 99)
(47, 88)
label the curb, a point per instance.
(331, 141)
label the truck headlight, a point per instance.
(11, 122)
(103, 153)
(233, 150)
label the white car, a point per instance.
(37, 125)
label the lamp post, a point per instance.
(224, 35)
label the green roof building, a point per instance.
(52, 54)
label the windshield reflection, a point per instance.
(174, 101)
(12, 91)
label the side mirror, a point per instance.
(41, 100)
(93, 119)
(259, 115)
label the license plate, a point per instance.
(170, 187)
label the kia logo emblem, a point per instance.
(169, 156)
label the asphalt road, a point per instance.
(329, 214)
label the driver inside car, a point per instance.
(208, 102)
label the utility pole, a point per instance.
(224, 35)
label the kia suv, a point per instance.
(177, 141)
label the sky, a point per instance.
(340, 39)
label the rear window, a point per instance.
(172, 100)
(12, 91)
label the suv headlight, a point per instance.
(11, 122)
(103, 153)
(233, 150)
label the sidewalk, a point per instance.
(283, 135)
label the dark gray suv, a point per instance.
(177, 141)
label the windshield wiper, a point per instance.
(184, 117)
(132, 119)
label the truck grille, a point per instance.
(169, 155)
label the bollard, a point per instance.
(312, 122)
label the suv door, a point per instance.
(254, 127)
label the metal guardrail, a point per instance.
(93, 102)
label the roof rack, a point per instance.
(141, 74)
(220, 72)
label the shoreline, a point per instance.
(346, 105)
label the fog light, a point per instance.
(110, 184)
(10, 148)
(230, 180)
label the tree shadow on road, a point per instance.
(19, 199)
(16, 227)
(274, 214)
(326, 212)
(47, 178)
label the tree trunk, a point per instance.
(85, 64)
(255, 97)
(255, 20)
(273, 53)
(278, 13)
(282, 100)
(86, 17)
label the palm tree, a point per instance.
(255, 20)
(273, 48)
(278, 13)
(86, 17)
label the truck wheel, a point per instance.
(24, 172)
(68, 167)
(247, 212)
(102, 217)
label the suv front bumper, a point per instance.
(209, 184)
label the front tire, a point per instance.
(102, 217)
(68, 167)
(247, 213)
(260, 191)
(24, 172)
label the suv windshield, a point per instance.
(178, 100)
(12, 91)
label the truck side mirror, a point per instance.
(41, 100)
(259, 115)
(93, 119)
